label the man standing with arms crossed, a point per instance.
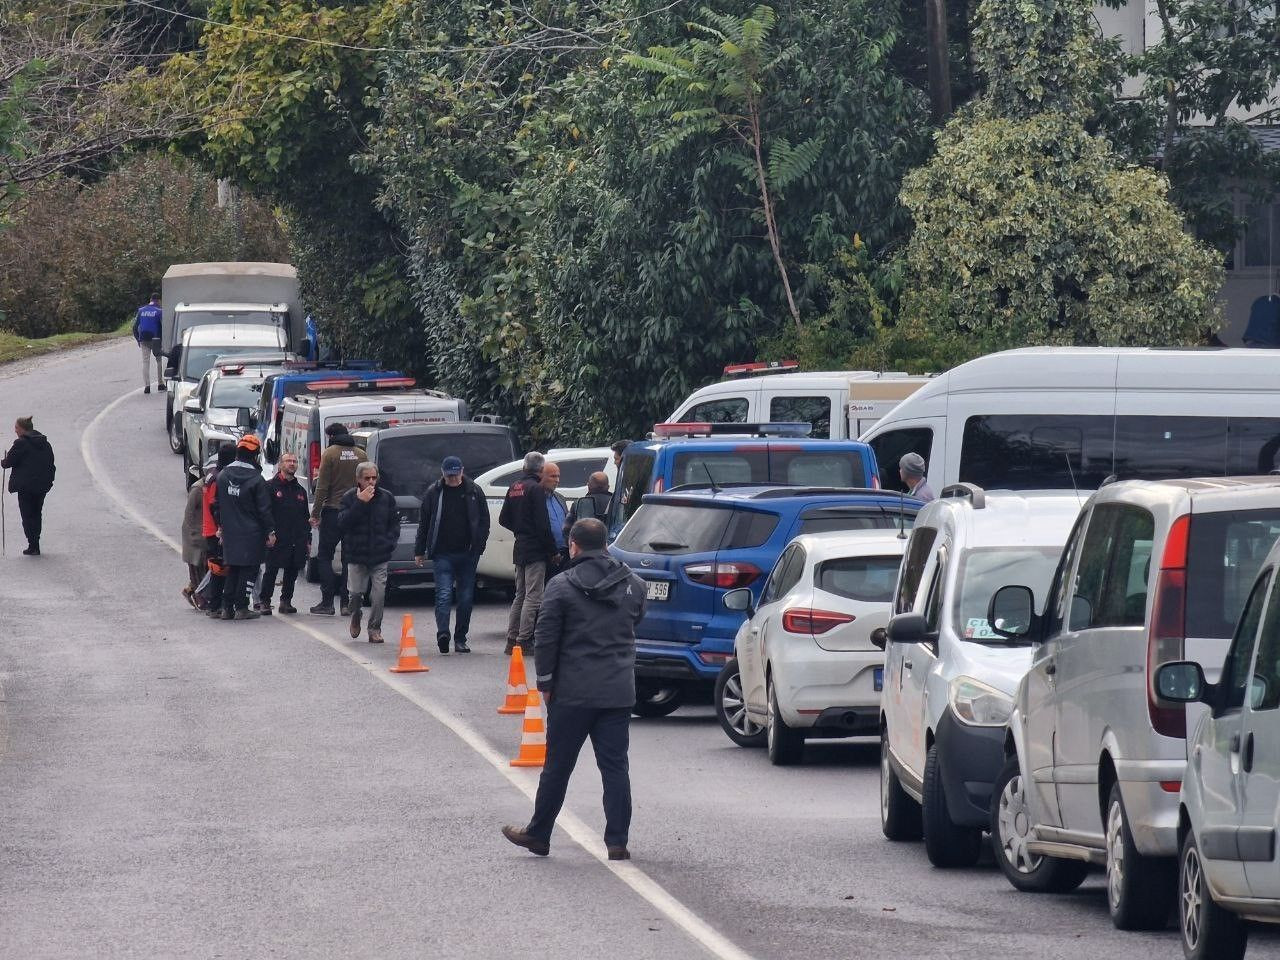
(147, 327)
(452, 531)
(524, 513)
(337, 475)
(585, 657)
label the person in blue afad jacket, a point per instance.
(146, 330)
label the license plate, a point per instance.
(879, 678)
(657, 590)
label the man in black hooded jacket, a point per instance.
(31, 460)
(585, 655)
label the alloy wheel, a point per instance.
(1014, 821)
(1192, 897)
(735, 708)
(1115, 855)
(884, 778)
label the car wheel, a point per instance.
(731, 708)
(186, 470)
(1208, 931)
(1140, 889)
(946, 843)
(176, 440)
(657, 701)
(785, 744)
(1010, 833)
(899, 814)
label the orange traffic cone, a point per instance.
(533, 741)
(409, 662)
(517, 685)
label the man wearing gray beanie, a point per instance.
(911, 468)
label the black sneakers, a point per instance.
(442, 641)
(323, 609)
(147, 388)
(31, 552)
(460, 646)
(521, 839)
(287, 607)
(619, 853)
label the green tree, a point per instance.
(1031, 230)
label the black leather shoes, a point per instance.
(442, 641)
(460, 646)
(521, 839)
(619, 853)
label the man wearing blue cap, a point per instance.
(452, 531)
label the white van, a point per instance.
(1045, 418)
(306, 415)
(839, 404)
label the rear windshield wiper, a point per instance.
(666, 545)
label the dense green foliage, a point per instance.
(1031, 230)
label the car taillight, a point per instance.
(1168, 631)
(727, 576)
(875, 481)
(658, 485)
(805, 620)
(315, 458)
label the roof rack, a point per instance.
(796, 428)
(779, 492)
(759, 367)
(965, 491)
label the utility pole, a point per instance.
(939, 60)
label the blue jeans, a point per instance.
(454, 572)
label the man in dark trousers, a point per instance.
(243, 511)
(147, 331)
(370, 525)
(291, 513)
(337, 475)
(30, 461)
(524, 513)
(585, 653)
(453, 528)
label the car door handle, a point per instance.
(1247, 760)
(907, 664)
(1234, 743)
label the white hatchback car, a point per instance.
(1230, 804)
(576, 464)
(949, 677)
(808, 662)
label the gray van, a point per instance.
(408, 460)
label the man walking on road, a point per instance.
(524, 513)
(585, 657)
(243, 511)
(290, 515)
(911, 470)
(147, 328)
(31, 461)
(453, 528)
(337, 475)
(370, 525)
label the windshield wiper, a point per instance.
(666, 545)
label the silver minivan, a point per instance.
(1153, 572)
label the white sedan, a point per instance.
(809, 661)
(576, 464)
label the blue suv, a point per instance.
(692, 545)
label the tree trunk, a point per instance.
(939, 60)
(771, 226)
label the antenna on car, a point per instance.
(902, 515)
(707, 470)
(1072, 474)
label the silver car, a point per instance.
(223, 407)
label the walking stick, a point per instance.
(4, 486)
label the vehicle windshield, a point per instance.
(200, 318)
(234, 391)
(773, 465)
(1224, 554)
(677, 528)
(985, 570)
(197, 361)
(408, 465)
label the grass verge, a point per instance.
(14, 347)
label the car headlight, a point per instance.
(977, 704)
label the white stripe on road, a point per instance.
(682, 916)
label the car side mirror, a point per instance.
(909, 628)
(1012, 612)
(1181, 681)
(192, 406)
(879, 637)
(194, 471)
(739, 601)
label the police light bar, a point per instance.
(779, 429)
(390, 383)
(231, 368)
(761, 366)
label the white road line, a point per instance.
(715, 943)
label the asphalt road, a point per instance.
(175, 786)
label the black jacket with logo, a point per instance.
(524, 513)
(243, 511)
(290, 512)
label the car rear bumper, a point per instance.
(1152, 811)
(676, 662)
(813, 684)
(971, 759)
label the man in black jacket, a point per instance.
(524, 513)
(585, 658)
(453, 528)
(242, 509)
(292, 516)
(370, 526)
(31, 460)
